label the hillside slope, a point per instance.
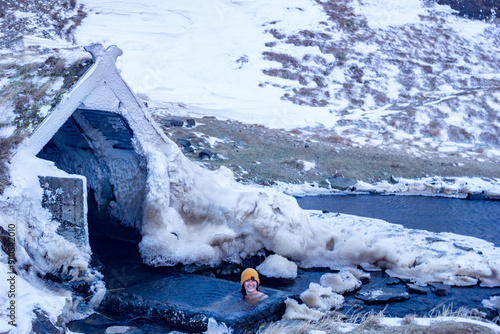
(410, 79)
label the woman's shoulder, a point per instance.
(257, 297)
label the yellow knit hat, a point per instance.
(249, 273)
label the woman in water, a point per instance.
(250, 286)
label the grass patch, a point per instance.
(35, 85)
(373, 322)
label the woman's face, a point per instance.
(250, 286)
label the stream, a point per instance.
(480, 219)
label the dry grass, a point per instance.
(371, 322)
(265, 155)
(57, 18)
(30, 82)
(6, 146)
(421, 59)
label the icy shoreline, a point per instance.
(450, 187)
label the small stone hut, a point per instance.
(99, 131)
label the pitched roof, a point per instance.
(105, 101)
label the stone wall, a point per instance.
(66, 199)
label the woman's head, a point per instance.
(249, 281)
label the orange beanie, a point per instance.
(249, 273)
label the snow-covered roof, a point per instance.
(100, 93)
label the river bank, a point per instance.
(266, 156)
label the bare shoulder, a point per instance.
(256, 297)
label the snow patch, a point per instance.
(296, 311)
(492, 303)
(321, 298)
(341, 282)
(277, 266)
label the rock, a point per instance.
(95, 323)
(227, 269)
(65, 198)
(42, 324)
(476, 197)
(189, 149)
(296, 311)
(277, 266)
(341, 282)
(491, 194)
(463, 247)
(393, 281)
(188, 301)
(322, 299)
(123, 330)
(432, 240)
(361, 275)
(175, 122)
(416, 289)
(183, 142)
(355, 304)
(474, 9)
(8, 243)
(205, 154)
(190, 122)
(382, 296)
(342, 183)
(440, 289)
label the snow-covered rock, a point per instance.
(321, 298)
(341, 282)
(278, 266)
(296, 311)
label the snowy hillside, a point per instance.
(406, 74)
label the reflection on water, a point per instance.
(479, 219)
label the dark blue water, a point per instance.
(479, 219)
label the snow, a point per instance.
(454, 187)
(277, 266)
(296, 311)
(308, 165)
(23, 298)
(384, 13)
(341, 282)
(45, 42)
(492, 303)
(213, 327)
(321, 298)
(217, 80)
